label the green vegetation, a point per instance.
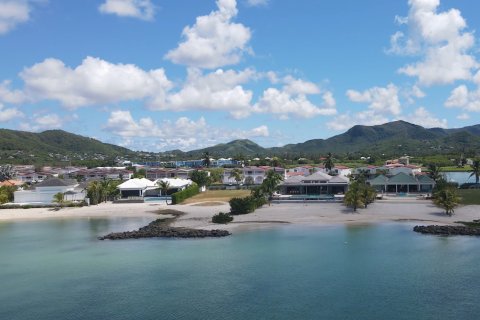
(359, 194)
(59, 198)
(447, 198)
(201, 178)
(328, 163)
(6, 194)
(475, 167)
(469, 196)
(237, 175)
(101, 191)
(164, 187)
(222, 218)
(242, 205)
(180, 196)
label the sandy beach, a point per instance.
(315, 214)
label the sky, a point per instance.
(159, 75)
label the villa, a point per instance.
(316, 184)
(43, 192)
(402, 183)
(250, 173)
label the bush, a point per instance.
(242, 205)
(180, 196)
(222, 217)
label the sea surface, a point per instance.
(57, 269)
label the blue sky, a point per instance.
(184, 74)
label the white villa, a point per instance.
(44, 191)
(147, 188)
(257, 174)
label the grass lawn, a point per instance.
(469, 196)
(217, 195)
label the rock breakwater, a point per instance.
(448, 230)
(159, 229)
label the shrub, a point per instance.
(242, 205)
(222, 217)
(180, 196)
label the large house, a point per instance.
(254, 175)
(402, 183)
(316, 184)
(43, 192)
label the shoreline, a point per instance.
(283, 214)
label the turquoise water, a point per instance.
(58, 270)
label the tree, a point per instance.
(6, 172)
(58, 198)
(140, 173)
(7, 194)
(434, 172)
(237, 175)
(206, 159)
(164, 187)
(447, 198)
(353, 197)
(94, 192)
(368, 194)
(476, 170)
(328, 163)
(201, 178)
(270, 183)
(249, 180)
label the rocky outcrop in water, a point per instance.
(158, 229)
(448, 230)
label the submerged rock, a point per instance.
(158, 229)
(448, 230)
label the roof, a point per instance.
(11, 183)
(136, 184)
(339, 179)
(318, 176)
(56, 182)
(378, 180)
(293, 180)
(402, 178)
(424, 179)
(176, 182)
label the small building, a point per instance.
(403, 183)
(136, 187)
(43, 192)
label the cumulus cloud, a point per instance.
(464, 98)
(10, 96)
(214, 40)
(347, 120)
(13, 13)
(216, 91)
(424, 118)
(95, 81)
(463, 116)
(380, 99)
(183, 133)
(441, 39)
(7, 114)
(44, 122)
(292, 100)
(142, 9)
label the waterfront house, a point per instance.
(256, 174)
(136, 187)
(402, 183)
(43, 192)
(316, 184)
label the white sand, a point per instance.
(415, 211)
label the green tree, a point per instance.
(368, 194)
(475, 170)
(140, 173)
(94, 192)
(201, 178)
(206, 159)
(434, 172)
(353, 197)
(270, 183)
(249, 180)
(328, 163)
(447, 198)
(7, 194)
(237, 175)
(59, 198)
(164, 187)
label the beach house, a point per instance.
(43, 192)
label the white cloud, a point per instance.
(183, 133)
(95, 81)
(256, 3)
(463, 116)
(44, 122)
(216, 91)
(440, 38)
(380, 99)
(347, 120)
(10, 96)
(214, 40)
(12, 13)
(463, 98)
(142, 9)
(9, 114)
(422, 117)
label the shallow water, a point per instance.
(58, 270)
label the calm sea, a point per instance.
(58, 270)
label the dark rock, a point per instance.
(448, 230)
(158, 229)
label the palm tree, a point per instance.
(447, 198)
(434, 172)
(368, 194)
(206, 159)
(476, 170)
(353, 197)
(58, 198)
(164, 186)
(237, 175)
(328, 163)
(270, 183)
